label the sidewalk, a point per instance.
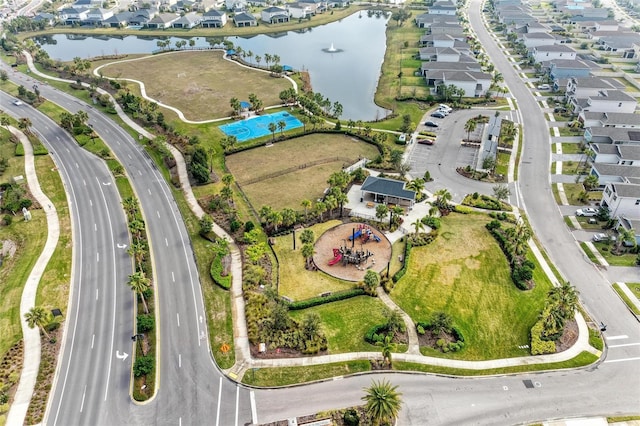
(241, 342)
(31, 336)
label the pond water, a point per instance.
(348, 75)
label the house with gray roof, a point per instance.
(538, 39)
(73, 15)
(611, 135)
(162, 21)
(425, 20)
(187, 21)
(561, 69)
(621, 44)
(631, 223)
(428, 67)
(243, 19)
(613, 173)
(274, 15)
(141, 17)
(445, 28)
(473, 83)
(439, 40)
(550, 52)
(214, 18)
(622, 154)
(443, 8)
(609, 119)
(590, 86)
(604, 101)
(119, 20)
(387, 191)
(48, 18)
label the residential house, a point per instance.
(214, 18)
(440, 40)
(454, 30)
(443, 8)
(630, 224)
(609, 119)
(318, 6)
(551, 52)
(244, 19)
(87, 4)
(590, 86)
(73, 16)
(274, 15)
(299, 10)
(162, 21)
(141, 17)
(610, 25)
(48, 18)
(119, 20)
(622, 44)
(612, 135)
(622, 199)
(428, 67)
(425, 20)
(515, 18)
(595, 14)
(236, 4)
(187, 21)
(621, 154)
(531, 40)
(614, 173)
(536, 27)
(474, 83)
(561, 69)
(97, 16)
(444, 54)
(604, 101)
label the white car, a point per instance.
(17, 102)
(600, 237)
(444, 107)
(544, 87)
(586, 212)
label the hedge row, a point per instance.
(405, 264)
(521, 272)
(321, 300)
(376, 333)
(216, 273)
(539, 346)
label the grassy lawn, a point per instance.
(346, 322)
(568, 131)
(200, 84)
(296, 282)
(572, 191)
(589, 253)
(626, 259)
(465, 274)
(253, 169)
(572, 148)
(626, 299)
(293, 375)
(635, 289)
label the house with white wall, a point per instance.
(551, 52)
(622, 199)
(609, 119)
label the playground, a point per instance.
(258, 126)
(347, 251)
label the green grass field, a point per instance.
(346, 322)
(465, 274)
(295, 281)
(626, 299)
(200, 84)
(303, 182)
(308, 373)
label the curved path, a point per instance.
(143, 90)
(31, 336)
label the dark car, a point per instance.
(438, 115)
(431, 124)
(426, 141)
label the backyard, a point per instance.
(200, 84)
(296, 169)
(465, 274)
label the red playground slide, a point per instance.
(337, 257)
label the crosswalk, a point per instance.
(620, 350)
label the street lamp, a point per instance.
(136, 338)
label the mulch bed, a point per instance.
(336, 416)
(49, 356)
(280, 353)
(569, 336)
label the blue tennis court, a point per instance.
(256, 127)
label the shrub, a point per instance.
(398, 275)
(248, 226)
(351, 417)
(143, 365)
(375, 333)
(235, 225)
(7, 219)
(19, 150)
(462, 209)
(539, 346)
(431, 222)
(420, 329)
(320, 300)
(145, 323)
(216, 273)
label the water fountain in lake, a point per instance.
(332, 49)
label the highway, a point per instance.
(193, 391)
(100, 313)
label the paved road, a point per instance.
(192, 389)
(100, 272)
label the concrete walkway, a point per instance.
(414, 345)
(31, 336)
(632, 297)
(244, 361)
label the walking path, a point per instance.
(31, 336)
(244, 361)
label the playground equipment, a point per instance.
(337, 257)
(363, 232)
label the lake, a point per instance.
(349, 75)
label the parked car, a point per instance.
(431, 124)
(439, 114)
(600, 237)
(586, 212)
(445, 107)
(560, 110)
(426, 141)
(444, 111)
(544, 87)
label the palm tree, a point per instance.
(382, 402)
(4, 120)
(139, 283)
(130, 205)
(418, 226)
(394, 211)
(138, 250)
(281, 126)
(624, 235)
(518, 237)
(307, 252)
(235, 106)
(331, 203)
(388, 347)
(320, 208)
(306, 205)
(258, 59)
(38, 317)
(416, 185)
(272, 128)
(136, 227)
(341, 198)
(24, 124)
(443, 196)
(249, 55)
(566, 298)
(470, 126)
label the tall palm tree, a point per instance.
(394, 211)
(138, 251)
(320, 208)
(139, 283)
(418, 226)
(272, 128)
(307, 252)
(306, 205)
(130, 205)
(38, 317)
(382, 402)
(281, 126)
(331, 203)
(341, 198)
(443, 196)
(565, 297)
(470, 126)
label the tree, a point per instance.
(281, 127)
(416, 185)
(307, 252)
(138, 250)
(624, 235)
(565, 297)
(272, 128)
(443, 196)
(518, 238)
(139, 283)
(590, 182)
(388, 347)
(235, 106)
(441, 323)
(310, 326)
(371, 282)
(381, 211)
(306, 205)
(501, 192)
(418, 226)
(320, 208)
(24, 124)
(394, 211)
(307, 236)
(382, 402)
(38, 317)
(470, 126)
(206, 224)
